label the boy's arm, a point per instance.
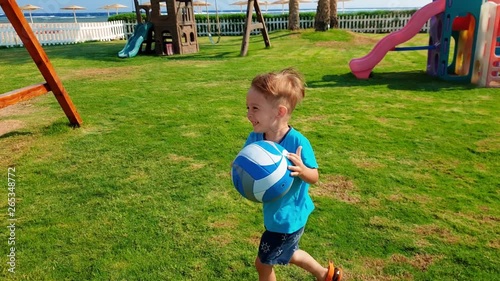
(308, 175)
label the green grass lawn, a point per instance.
(409, 165)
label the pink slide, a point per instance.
(362, 67)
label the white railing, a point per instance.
(377, 23)
(230, 27)
(356, 23)
(65, 33)
(70, 33)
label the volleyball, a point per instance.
(260, 171)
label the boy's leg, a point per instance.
(302, 259)
(266, 272)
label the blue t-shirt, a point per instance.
(290, 213)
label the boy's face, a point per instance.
(260, 112)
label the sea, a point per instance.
(40, 17)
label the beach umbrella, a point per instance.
(201, 4)
(107, 8)
(241, 4)
(73, 8)
(266, 3)
(343, 4)
(30, 8)
(284, 2)
(244, 3)
(116, 7)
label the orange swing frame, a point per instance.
(52, 82)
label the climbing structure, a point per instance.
(487, 58)
(464, 42)
(174, 26)
(454, 31)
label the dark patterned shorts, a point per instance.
(278, 248)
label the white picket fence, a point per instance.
(70, 33)
(65, 33)
(377, 23)
(363, 24)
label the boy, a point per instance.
(270, 101)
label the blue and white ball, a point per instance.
(260, 171)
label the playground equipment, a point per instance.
(172, 30)
(52, 82)
(217, 22)
(487, 63)
(452, 21)
(135, 41)
(249, 26)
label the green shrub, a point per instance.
(126, 17)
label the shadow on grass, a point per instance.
(14, 56)
(58, 127)
(15, 134)
(205, 56)
(55, 128)
(108, 51)
(409, 80)
(83, 51)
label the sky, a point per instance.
(54, 6)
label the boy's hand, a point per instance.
(300, 170)
(299, 167)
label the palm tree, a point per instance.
(322, 19)
(293, 18)
(334, 21)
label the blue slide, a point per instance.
(135, 41)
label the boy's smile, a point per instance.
(260, 111)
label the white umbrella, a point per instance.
(201, 4)
(343, 4)
(244, 3)
(284, 2)
(266, 3)
(116, 7)
(30, 8)
(73, 8)
(241, 4)
(107, 8)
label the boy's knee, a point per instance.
(258, 264)
(261, 267)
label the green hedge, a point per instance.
(126, 17)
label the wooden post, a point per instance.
(52, 81)
(249, 26)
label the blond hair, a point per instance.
(285, 87)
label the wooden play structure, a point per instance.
(250, 25)
(170, 28)
(52, 82)
(174, 26)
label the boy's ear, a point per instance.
(282, 111)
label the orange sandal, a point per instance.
(334, 273)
